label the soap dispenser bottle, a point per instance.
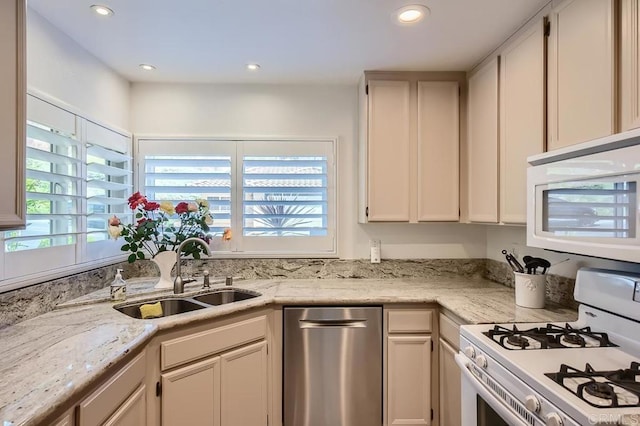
(118, 287)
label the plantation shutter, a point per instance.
(109, 185)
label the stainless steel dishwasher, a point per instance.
(332, 366)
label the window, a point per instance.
(78, 174)
(277, 196)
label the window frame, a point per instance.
(238, 247)
(17, 268)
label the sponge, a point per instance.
(151, 310)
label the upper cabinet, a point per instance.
(12, 113)
(409, 147)
(629, 65)
(522, 132)
(581, 85)
(483, 144)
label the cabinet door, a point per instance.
(449, 386)
(133, 412)
(409, 380)
(438, 148)
(244, 386)
(581, 77)
(191, 395)
(12, 113)
(66, 420)
(522, 68)
(630, 65)
(483, 144)
(388, 151)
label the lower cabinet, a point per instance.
(409, 367)
(216, 376)
(120, 401)
(450, 378)
(191, 394)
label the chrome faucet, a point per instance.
(178, 283)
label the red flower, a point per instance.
(151, 205)
(182, 207)
(136, 199)
(142, 221)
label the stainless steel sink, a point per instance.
(223, 296)
(169, 307)
(179, 305)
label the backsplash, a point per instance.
(19, 305)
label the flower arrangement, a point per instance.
(156, 229)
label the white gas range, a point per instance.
(582, 373)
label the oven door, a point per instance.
(483, 406)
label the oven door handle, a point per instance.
(509, 416)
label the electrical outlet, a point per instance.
(375, 250)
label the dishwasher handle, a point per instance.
(333, 323)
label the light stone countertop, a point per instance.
(52, 359)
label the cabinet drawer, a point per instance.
(195, 346)
(410, 321)
(450, 331)
(101, 404)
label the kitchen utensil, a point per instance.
(532, 265)
(543, 263)
(513, 262)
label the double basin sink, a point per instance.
(179, 305)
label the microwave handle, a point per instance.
(489, 397)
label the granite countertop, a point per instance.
(56, 357)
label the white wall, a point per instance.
(60, 68)
(210, 110)
(514, 238)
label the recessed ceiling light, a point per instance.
(411, 14)
(102, 10)
(147, 67)
(253, 67)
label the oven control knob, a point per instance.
(470, 352)
(554, 419)
(532, 403)
(481, 361)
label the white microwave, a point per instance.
(585, 199)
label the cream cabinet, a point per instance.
(409, 148)
(12, 113)
(243, 390)
(215, 374)
(67, 419)
(522, 130)
(629, 65)
(409, 367)
(483, 144)
(120, 401)
(191, 395)
(581, 83)
(449, 372)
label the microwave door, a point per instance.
(589, 216)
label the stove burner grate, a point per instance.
(601, 389)
(550, 336)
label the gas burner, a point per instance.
(602, 389)
(573, 339)
(549, 337)
(517, 340)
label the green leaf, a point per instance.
(138, 215)
(134, 247)
(140, 255)
(125, 247)
(131, 258)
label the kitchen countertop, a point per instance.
(56, 357)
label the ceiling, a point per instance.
(294, 41)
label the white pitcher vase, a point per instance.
(165, 260)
